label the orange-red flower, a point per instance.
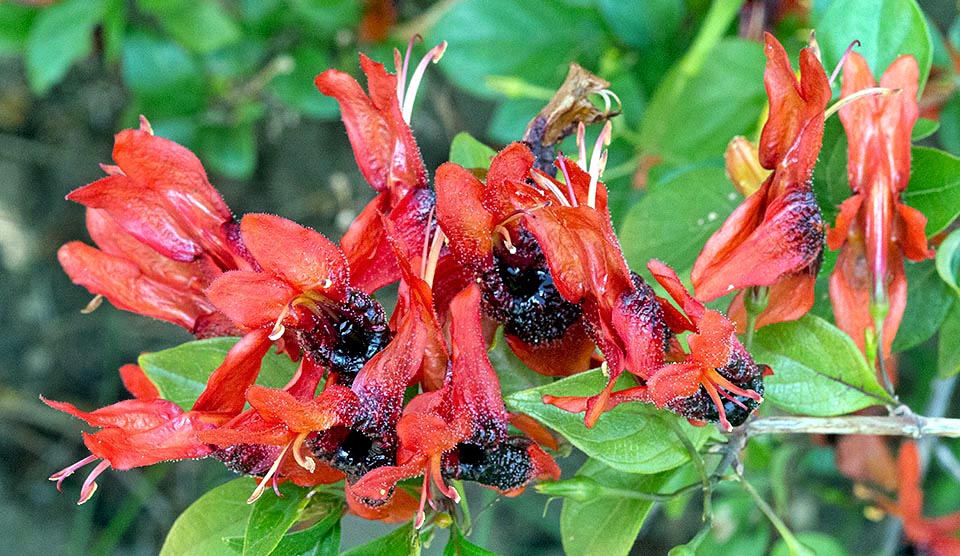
(164, 233)
(874, 230)
(775, 238)
(149, 429)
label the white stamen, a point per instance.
(598, 162)
(582, 146)
(547, 184)
(434, 56)
(257, 492)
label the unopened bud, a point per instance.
(579, 489)
(743, 166)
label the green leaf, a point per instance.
(949, 133)
(934, 187)
(229, 150)
(928, 301)
(948, 356)
(403, 541)
(470, 153)
(642, 24)
(181, 373)
(633, 437)
(607, 525)
(675, 219)
(692, 117)
(165, 78)
(948, 260)
(818, 543)
(321, 539)
(817, 368)
(61, 35)
(885, 28)
(514, 375)
(182, 19)
(271, 518)
(201, 528)
(296, 88)
(15, 24)
(458, 545)
(323, 19)
(510, 118)
(535, 42)
(924, 128)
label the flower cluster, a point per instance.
(375, 399)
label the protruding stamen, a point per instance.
(268, 478)
(59, 476)
(871, 91)
(712, 392)
(607, 94)
(548, 184)
(582, 146)
(424, 495)
(598, 162)
(505, 234)
(433, 258)
(721, 381)
(836, 70)
(425, 248)
(444, 489)
(145, 125)
(278, 330)
(815, 46)
(93, 305)
(562, 161)
(90, 485)
(434, 56)
(303, 461)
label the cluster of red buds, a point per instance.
(527, 244)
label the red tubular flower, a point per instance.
(164, 234)
(148, 430)
(303, 285)
(459, 431)
(775, 238)
(874, 230)
(930, 536)
(388, 157)
(486, 235)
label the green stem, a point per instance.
(698, 463)
(715, 26)
(755, 300)
(795, 546)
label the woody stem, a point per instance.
(914, 426)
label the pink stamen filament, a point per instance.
(90, 485)
(59, 476)
(582, 146)
(712, 392)
(836, 70)
(268, 478)
(566, 178)
(878, 91)
(434, 56)
(598, 162)
(547, 184)
(402, 70)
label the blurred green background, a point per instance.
(233, 80)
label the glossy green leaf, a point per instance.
(607, 525)
(675, 219)
(470, 153)
(271, 518)
(949, 132)
(201, 528)
(323, 19)
(528, 39)
(514, 375)
(928, 301)
(692, 117)
(642, 24)
(181, 373)
(510, 118)
(948, 351)
(817, 368)
(633, 437)
(321, 539)
(934, 187)
(296, 88)
(164, 77)
(458, 545)
(924, 128)
(885, 28)
(403, 541)
(61, 35)
(818, 543)
(948, 260)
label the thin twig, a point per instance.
(915, 426)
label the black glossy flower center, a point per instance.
(351, 451)
(519, 292)
(504, 467)
(742, 372)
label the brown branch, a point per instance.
(914, 426)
